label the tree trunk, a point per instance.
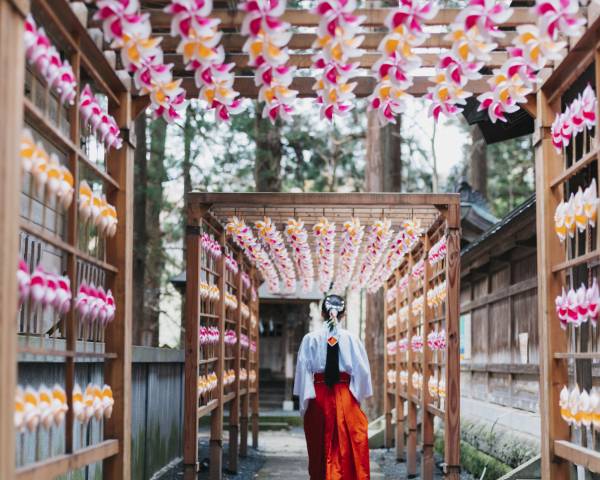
(140, 238)
(155, 260)
(391, 143)
(267, 167)
(478, 161)
(188, 135)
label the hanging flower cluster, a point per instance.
(207, 383)
(297, 237)
(243, 374)
(437, 252)
(391, 376)
(417, 306)
(405, 240)
(229, 377)
(403, 283)
(244, 341)
(580, 115)
(104, 125)
(437, 340)
(95, 208)
(211, 246)
(352, 236)
(534, 46)
(204, 56)
(253, 346)
(577, 213)
(324, 233)
(268, 233)
(252, 376)
(253, 320)
(243, 237)
(209, 292)
(48, 174)
(392, 347)
(403, 314)
(576, 307)
(579, 408)
(403, 377)
(432, 387)
(231, 301)
(403, 344)
(208, 335)
(416, 343)
(231, 264)
(380, 234)
(230, 337)
(245, 311)
(391, 320)
(418, 270)
(246, 282)
(417, 381)
(94, 304)
(39, 407)
(473, 35)
(394, 70)
(45, 58)
(127, 29)
(390, 295)
(436, 295)
(95, 402)
(337, 44)
(266, 47)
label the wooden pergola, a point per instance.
(438, 214)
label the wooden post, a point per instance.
(216, 418)
(12, 66)
(387, 404)
(427, 460)
(255, 403)
(452, 404)
(399, 400)
(118, 333)
(192, 357)
(411, 454)
(234, 407)
(244, 408)
(553, 373)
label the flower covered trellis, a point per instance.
(204, 56)
(337, 44)
(297, 237)
(533, 47)
(394, 70)
(129, 30)
(266, 47)
(272, 238)
(472, 35)
(324, 234)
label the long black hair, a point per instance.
(332, 309)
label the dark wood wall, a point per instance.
(499, 291)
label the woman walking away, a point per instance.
(332, 378)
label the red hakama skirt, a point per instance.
(336, 433)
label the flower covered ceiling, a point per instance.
(337, 51)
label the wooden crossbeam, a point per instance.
(304, 85)
(233, 42)
(304, 18)
(305, 60)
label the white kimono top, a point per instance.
(312, 356)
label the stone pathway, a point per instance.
(286, 457)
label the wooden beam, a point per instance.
(375, 17)
(578, 455)
(12, 64)
(304, 85)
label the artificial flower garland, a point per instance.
(576, 307)
(127, 29)
(533, 47)
(297, 237)
(203, 55)
(102, 123)
(95, 402)
(578, 117)
(436, 295)
(268, 233)
(437, 253)
(266, 47)
(337, 45)
(96, 209)
(211, 246)
(324, 233)
(579, 408)
(39, 407)
(44, 56)
(46, 290)
(577, 213)
(352, 236)
(436, 340)
(416, 343)
(378, 239)
(394, 70)
(207, 383)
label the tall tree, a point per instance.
(267, 169)
(478, 161)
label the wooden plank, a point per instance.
(387, 405)
(411, 444)
(452, 401)
(62, 464)
(12, 64)
(586, 457)
(574, 169)
(375, 17)
(255, 398)
(364, 86)
(501, 294)
(553, 375)
(192, 325)
(574, 262)
(427, 436)
(400, 420)
(117, 372)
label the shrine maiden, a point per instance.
(332, 378)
